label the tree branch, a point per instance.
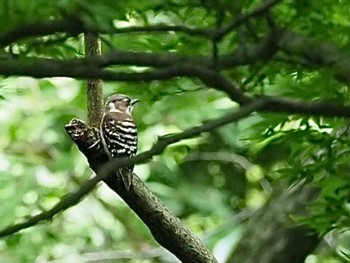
(66, 202)
(209, 77)
(318, 55)
(70, 24)
(282, 105)
(43, 67)
(262, 9)
(315, 53)
(165, 227)
(74, 26)
(208, 33)
(94, 90)
(276, 237)
(272, 104)
(216, 34)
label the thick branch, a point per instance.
(75, 26)
(243, 55)
(276, 237)
(315, 53)
(166, 228)
(209, 77)
(267, 104)
(70, 25)
(48, 67)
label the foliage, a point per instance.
(206, 181)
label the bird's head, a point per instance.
(120, 103)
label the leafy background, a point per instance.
(213, 183)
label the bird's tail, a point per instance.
(126, 176)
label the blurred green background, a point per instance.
(213, 182)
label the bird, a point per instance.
(118, 133)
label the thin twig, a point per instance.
(262, 9)
(167, 28)
(65, 203)
(75, 26)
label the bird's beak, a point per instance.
(134, 101)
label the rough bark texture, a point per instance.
(166, 228)
(271, 235)
(94, 86)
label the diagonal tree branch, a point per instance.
(66, 202)
(263, 104)
(166, 228)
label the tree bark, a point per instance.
(94, 89)
(166, 228)
(271, 235)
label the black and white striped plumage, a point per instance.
(119, 133)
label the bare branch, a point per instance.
(226, 157)
(209, 33)
(101, 256)
(66, 202)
